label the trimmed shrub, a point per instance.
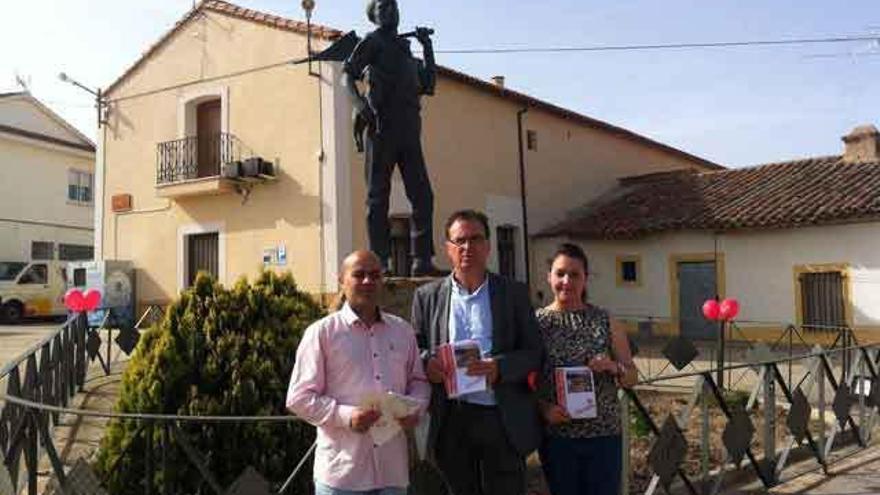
(217, 352)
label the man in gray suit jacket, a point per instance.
(480, 440)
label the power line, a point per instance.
(669, 46)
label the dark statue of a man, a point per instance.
(389, 114)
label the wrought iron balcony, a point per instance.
(196, 157)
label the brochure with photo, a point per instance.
(456, 357)
(392, 406)
(575, 391)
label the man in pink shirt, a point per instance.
(353, 353)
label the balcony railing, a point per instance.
(196, 157)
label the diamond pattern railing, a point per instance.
(808, 388)
(798, 425)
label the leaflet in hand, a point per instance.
(456, 357)
(392, 406)
(575, 391)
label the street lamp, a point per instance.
(100, 102)
(309, 6)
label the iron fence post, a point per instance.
(166, 444)
(704, 441)
(625, 442)
(148, 459)
(790, 353)
(820, 378)
(770, 424)
(863, 433)
(719, 379)
(31, 458)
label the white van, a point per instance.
(29, 289)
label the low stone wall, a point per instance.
(398, 295)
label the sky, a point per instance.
(734, 106)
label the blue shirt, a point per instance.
(470, 318)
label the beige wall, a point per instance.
(472, 151)
(316, 208)
(33, 196)
(273, 111)
(759, 270)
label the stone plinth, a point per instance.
(399, 292)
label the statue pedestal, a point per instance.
(398, 295)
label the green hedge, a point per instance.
(219, 352)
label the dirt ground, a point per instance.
(660, 405)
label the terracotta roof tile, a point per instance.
(812, 191)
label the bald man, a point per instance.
(342, 358)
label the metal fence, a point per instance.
(683, 433)
(54, 371)
(660, 354)
(693, 442)
(59, 367)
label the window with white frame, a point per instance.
(79, 186)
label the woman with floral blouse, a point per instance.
(581, 456)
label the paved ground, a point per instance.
(856, 475)
(15, 339)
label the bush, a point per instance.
(218, 352)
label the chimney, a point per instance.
(862, 144)
(498, 81)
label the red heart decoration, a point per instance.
(74, 300)
(711, 310)
(92, 300)
(729, 309)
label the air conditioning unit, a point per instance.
(267, 169)
(251, 167)
(232, 170)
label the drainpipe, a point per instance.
(522, 195)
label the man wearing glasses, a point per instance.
(480, 440)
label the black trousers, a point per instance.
(475, 456)
(398, 143)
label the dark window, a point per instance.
(507, 250)
(79, 277)
(36, 274)
(401, 258)
(629, 271)
(10, 269)
(822, 302)
(42, 250)
(75, 252)
(203, 255)
(532, 139)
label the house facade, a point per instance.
(794, 242)
(47, 191)
(219, 88)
